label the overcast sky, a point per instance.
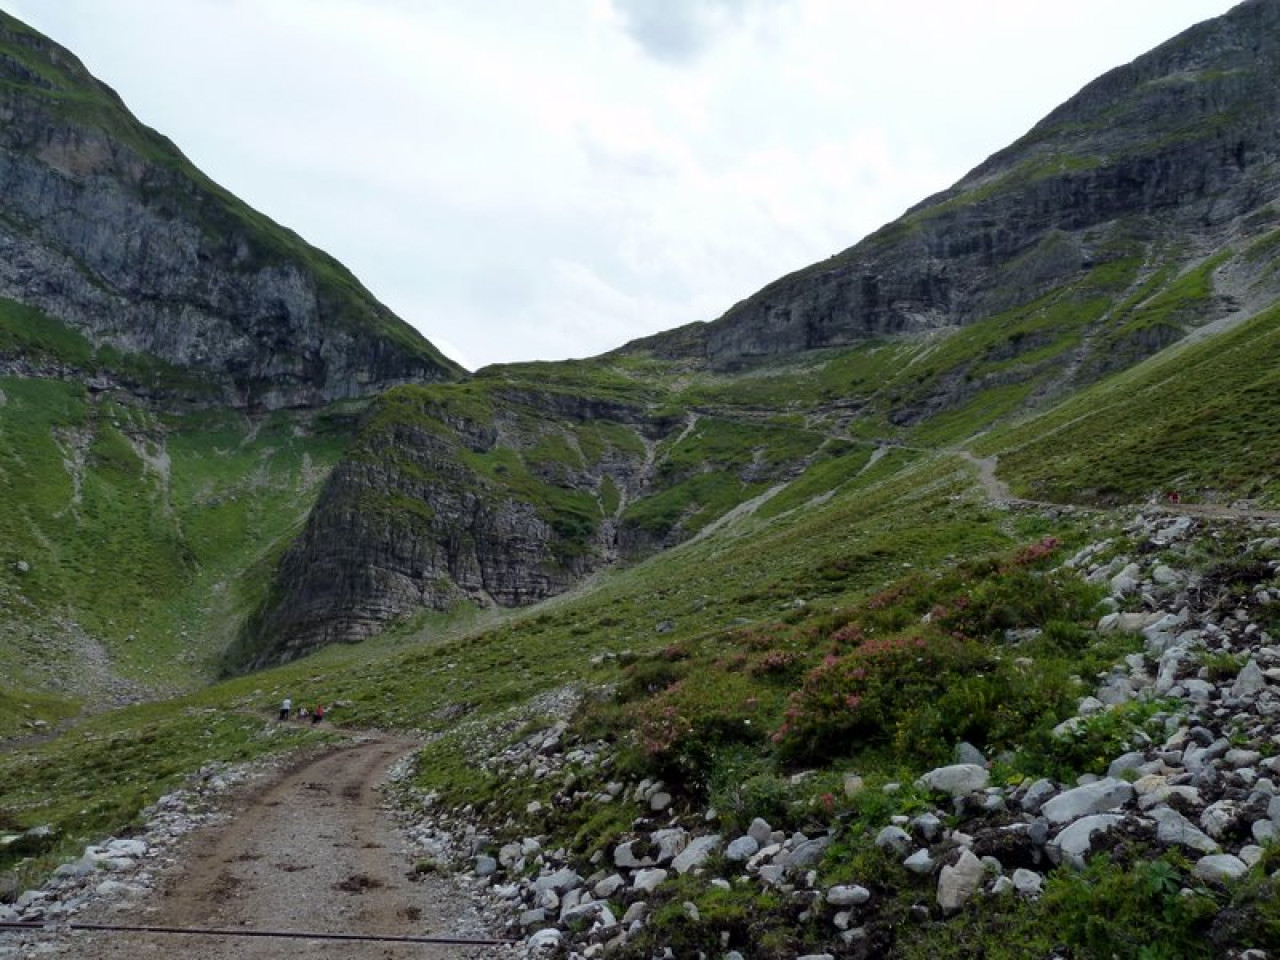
(540, 179)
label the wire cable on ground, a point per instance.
(284, 934)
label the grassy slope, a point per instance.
(133, 543)
(704, 588)
(1210, 435)
(146, 535)
(150, 534)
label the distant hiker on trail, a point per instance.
(286, 708)
(302, 713)
(318, 715)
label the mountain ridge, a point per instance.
(900, 278)
(108, 228)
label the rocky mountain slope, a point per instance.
(497, 492)
(109, 229)
(1150, 168)
(1138, 212)
(177, 376)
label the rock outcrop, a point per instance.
(506, 500)
(107, 227)
(1163, 159)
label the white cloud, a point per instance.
(681, 31)
(539, 180)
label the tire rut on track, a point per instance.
(313, 851)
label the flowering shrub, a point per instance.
(908, 674)
(1019, 597)
(775, 662)
(857, 698)
(850, 635)
(1029, 555)
(681, 729)
(763, 637)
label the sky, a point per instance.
(544, 179)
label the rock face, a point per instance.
(505, 501)
(107, 227)
(505, 490)
(1173, 147)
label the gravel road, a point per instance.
(312, 851)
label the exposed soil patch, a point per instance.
(358, 883)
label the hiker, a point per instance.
(302, 713)
(286, 708)
(319, 713)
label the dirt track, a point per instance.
(313, 851)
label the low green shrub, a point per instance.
(763, 924)
(1221, 666)
(1091, 744)
(683, 729)
(1134, 913)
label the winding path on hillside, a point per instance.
(997, 491)
(313, 851)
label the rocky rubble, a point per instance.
(1207, 785)
(120, 870)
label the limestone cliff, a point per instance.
(1164, 159)
(484, 493)
(107, 227)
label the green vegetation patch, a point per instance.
(1149, 430)
(711, 467)
(32, 333)
(1145, 324)
(837, 464)
(148, 532)
(29, 712)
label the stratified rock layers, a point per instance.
(107, 227)
(1167, 151)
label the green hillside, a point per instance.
(1197, 419)
(135, 540)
